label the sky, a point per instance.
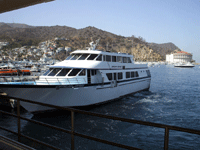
(157, 21)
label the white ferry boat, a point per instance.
(85, 78)
(184, 65)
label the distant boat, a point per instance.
(14, 72)
(182, 65)
(35, 69)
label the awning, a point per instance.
(9, 5)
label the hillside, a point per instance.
(16, 25)
(21, 34)
(163, 49)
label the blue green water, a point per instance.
(173, 99)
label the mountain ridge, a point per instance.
(14, 32)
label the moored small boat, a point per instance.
(14, 72)
(184, 65)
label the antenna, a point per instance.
(92, 45)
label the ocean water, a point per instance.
(173, 99)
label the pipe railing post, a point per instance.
(77, 81)
(68, 81)
(72, 130)
(166, 138)
(47, 81)
(18, 120)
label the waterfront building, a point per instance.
(179, 57)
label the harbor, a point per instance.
(99, 75)
(174, 104)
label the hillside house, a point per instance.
(4, 43)
(22, 50)
(36, 50)
(60, 49)
(44, 58)
(39, 54)
(68, 49)
(33, 47)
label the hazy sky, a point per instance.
(158, 21)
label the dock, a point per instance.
(9, 144)
(17, 78)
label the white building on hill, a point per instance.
(179, 57)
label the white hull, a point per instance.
(184, 66)
(188, 65)
(86, 77)
(80, 96)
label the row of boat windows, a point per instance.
(99, 57)
(64, 72)
(119, 75)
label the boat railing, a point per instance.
(67, 81)
(49, 81)
(167, 128)
(60, 81)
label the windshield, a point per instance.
(83, 57)
(68, 58)
(75, 56)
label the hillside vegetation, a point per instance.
(24, 35)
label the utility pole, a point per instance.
(132, 48)
(107, 46)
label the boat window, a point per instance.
(119, 59)
(136, 74)
(115, 76)
(83, 57)
(108, 58)
(120, 76)
(94, 72)
(148, 73)
(129, 60)
(64, 72)
(124, 59)
(114, 58)
(127, 74)
(75, 56)
(109, 75)
(47, 72)
(70, 56)
(74, 72)
(82, 73)
(132, 74)
(99, 58)
(54, 72)
(104, 57)
(92, 57)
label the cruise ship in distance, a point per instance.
(86, 77)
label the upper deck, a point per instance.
(96, 59)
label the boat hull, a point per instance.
(184, 66)
(72, 96)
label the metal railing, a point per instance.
(61, 81)
(73, 133)
(48, 81)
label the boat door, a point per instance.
(89, 76)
